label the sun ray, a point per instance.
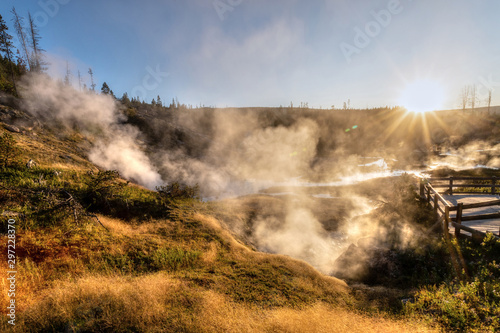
(441, 123)
(386, 134)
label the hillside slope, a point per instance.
(96, 253)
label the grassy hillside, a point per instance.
(96, 253)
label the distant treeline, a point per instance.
(368, 131)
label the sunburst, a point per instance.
(423, 95)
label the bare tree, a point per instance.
(489, 100)
(92, 83)
(464, 97)
(67, 81)
(34, 40)
(473, 97)
(21, 35)
(79, 80)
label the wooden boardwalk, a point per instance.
(487, 225)
(472, 212)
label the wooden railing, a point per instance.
(442, 207)
(471, 183)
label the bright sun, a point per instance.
(422, 96)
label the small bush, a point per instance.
(101, 189)
(460, 307)
(178, 191)
(160, 259)
(8, 149)
(466, 306)
(174, 258)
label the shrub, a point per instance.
(8, 149)
(178, 191)
(137, 259)
(101, 189)
(459, 307)
(466, 306)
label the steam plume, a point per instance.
(116, 147)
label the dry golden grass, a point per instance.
(210, 255)
(215, 226)
(28, 282)
(321, 318)
(119, 227)
(91, 302)
(300, 268)
(70, 167)
(162, 303)
(220, 315)
(48, 151)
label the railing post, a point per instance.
(446, 220)
(436, 204)
(428, 195)
(460, 209)
(422, 188)
(451, 186)
(493, 185)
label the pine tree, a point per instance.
(6, 48)
(105, 89)
(20, 63)
(125, 99)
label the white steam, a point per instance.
(472, 155)
(122, 153)
(116, 147)
(50, 99)
(300, 236)
(277, 153)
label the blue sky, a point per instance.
(273, 52)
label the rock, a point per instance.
(9, 213)
(367, 263)
(352, 264)
(12, 128)
(30, 164)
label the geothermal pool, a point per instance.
(301, 229)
